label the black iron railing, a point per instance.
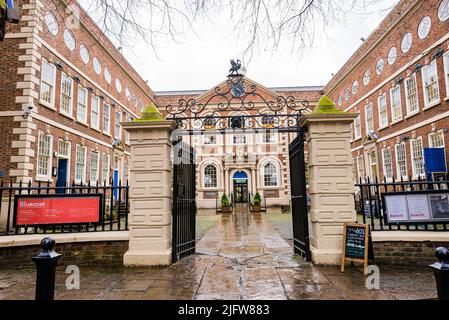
(370, 208)
(113, 214)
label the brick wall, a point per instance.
(407, 253)
(82, 254)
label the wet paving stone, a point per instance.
(241, 258)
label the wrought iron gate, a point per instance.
(299, 197)
(184, 202)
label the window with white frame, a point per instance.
(270, 175)
(361, 167)
(210, 177)
(383, 111)
(436, 140)
(388, 163)
(417, 152)
(94, 167)
(446, 71)
(95, 113)
(48, 83)
(63, 149)
(44, 156)
(105, 164)
(125, 173)
(430, 84)
(369, 118)
(106, 118)
(118, 126)
(209, 139)
(357, 128)
(239, 138)
(66, 103)
(401, 160)
(268, 137)
(82, 105)
(127, 137)
(396, 104)
(411, 94)
(80, 163)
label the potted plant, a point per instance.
(257, 202)
(225, 205)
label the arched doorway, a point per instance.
(240, 182)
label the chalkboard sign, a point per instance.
(356, 245)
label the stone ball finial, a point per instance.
(442, 254)
(47, 244)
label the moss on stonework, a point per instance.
(151, 113)
(326, 106)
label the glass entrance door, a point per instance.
(241, 192)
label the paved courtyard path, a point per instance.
(241, 258)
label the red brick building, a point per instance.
(64, 90)
(240, 164)
(398, 81)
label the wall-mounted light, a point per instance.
(59, 66)
(438, 53)
(400, 80)
(445, 130)
(405, 138)
(101, 97)
(77, 79)
(418, 67)
(90, 89)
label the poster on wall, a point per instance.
(41, 210)
(418, 207)
(440, 206)
(396, 207)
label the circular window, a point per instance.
(84, 53)
(443, 11)
(140, 105)
(380, 66)
(355, 87)
(128, 94)
(366, 78)
(135, 101)
(97, 66)
(118, 85)
(407, 42)
(107, 75)
(424, 27)
(340, 101)
(392, 55)
(347, 94)
(52, 23)
(69, 40)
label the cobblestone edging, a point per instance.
(407, 253)
(104, 253)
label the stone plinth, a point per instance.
(331, 183)
(150, 194)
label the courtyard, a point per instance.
(241, 256)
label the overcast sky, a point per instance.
(201, 61)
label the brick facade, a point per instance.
(37, 55)
(407, 122)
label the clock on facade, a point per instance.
(443, 11)
(424, 27)
(238, 90)
(407, 42)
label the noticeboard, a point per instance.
(414, 207)
(57, 209)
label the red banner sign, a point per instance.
(57, 209)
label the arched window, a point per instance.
(270, 175)
(210, 177)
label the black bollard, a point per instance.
(46, 262)
(441, 272)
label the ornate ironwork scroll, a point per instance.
(248, 110)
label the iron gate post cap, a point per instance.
(442, 255)
(47, 253)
